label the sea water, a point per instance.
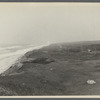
(9, 55)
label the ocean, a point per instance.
(10, 54)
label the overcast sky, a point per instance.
(37, 23)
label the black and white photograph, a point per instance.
(49, 49)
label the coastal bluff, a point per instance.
(58, 69)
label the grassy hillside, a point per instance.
(59, 69)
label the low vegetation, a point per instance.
(59, 69)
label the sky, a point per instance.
(38, 23)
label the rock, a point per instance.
(91, 82)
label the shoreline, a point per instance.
(16, 56)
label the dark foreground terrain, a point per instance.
(59, 69)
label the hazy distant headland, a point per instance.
(57, 69)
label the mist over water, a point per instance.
(9, 55)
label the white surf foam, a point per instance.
(7, 59)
